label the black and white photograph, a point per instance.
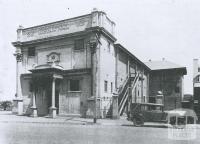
(99, 71)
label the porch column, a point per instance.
(53, 108)
(34, 108)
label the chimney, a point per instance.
(195, 67)
(94, 9)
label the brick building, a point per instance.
(166, 77)
(73, 66)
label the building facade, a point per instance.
(167, 77)
(196, 87)
(73, 67)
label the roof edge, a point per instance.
(133, 56)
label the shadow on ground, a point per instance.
(148, 126)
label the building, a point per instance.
(187, 101)
(166, 77)
(196, 86)
(73, 66)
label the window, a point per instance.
(177, 89)
(79, 44)
(108, 46)
(144, 99)
(181, 120)
(74, 85)
(198, 78)
(172, 120)
(105, 86)
(31, 51)
(199, 69)
(111, 87)
(190, 120)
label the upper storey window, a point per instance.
(31, 51)
(79, 44)
(199, 69)
(198, 78)
(109, 47)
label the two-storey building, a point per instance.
(168, 78)
(73, 66)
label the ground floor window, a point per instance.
(105, 86)
(75, 85)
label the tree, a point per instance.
(6, 105)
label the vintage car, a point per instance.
(179, 118)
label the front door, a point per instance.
(73, 103)
(42, 101)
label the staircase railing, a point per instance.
(134, 84)
(123, 101)
(125, 95)
(123, 89)
(123, 85)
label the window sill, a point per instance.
(79, 50)
(74, 91)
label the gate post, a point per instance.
(115, 113)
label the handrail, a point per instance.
(123, 85)
(135, 82)
(123, 101)
(125, 96)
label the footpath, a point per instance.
(8, 117)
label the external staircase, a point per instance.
(127, 89)
(124, 92)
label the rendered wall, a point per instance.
(107, 73)
(69, 58)
(140, 94)
(74, 102)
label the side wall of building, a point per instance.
(196, 86)
(141, 92)
(170, 83)
(107, 74)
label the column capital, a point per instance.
(93, 46)
(57, 76)
(18, 57)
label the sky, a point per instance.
(150, 29)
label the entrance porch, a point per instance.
(45, 92)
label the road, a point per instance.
(38, 133)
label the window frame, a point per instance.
(70, 86)
(109, 47)
(75, 45)
(177, 89)
(105, 86)
(198, 69)
(31, 52)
